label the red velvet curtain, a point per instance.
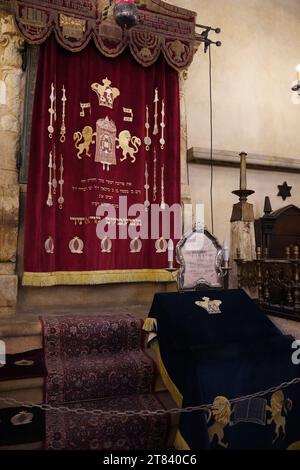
(78, 165)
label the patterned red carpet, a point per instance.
(98, 363)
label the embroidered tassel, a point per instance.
(150, 325)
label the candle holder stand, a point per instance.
(171, 268)
(243, 210)
(225, 273)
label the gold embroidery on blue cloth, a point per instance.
(211, 306)
(251, 410)
(180, 443)
(170, 385)
(294, 446)
(221, 413)
(150, 325)
(279, 408)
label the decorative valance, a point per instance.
(162, 28)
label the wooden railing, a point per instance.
(276, 281)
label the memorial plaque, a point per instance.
(200, 257)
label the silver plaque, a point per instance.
(200, 257)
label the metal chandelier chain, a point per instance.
(143, 413)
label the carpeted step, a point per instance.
(90, 358)
(24, 428)
(73, 336)
(72, 431)
(106, 375)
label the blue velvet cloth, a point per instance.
(228, 355)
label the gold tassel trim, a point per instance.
(150, 325)
(295, 446)
(95, 277)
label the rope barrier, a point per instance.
(144, 413)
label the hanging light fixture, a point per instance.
(126, 13)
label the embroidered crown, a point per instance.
(106, 94)
(211, 306)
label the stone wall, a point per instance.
(252, 76)
(12, 78)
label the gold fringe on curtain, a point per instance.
(95, 277)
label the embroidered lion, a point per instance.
(221, 412)
(124, 140)
(86, 135)
(280, 406)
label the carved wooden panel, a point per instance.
(278, 230)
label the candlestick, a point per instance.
(225, 251)
(170, 253)
(243, 175)
(243, 211)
